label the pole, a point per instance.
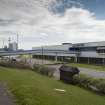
(76, 59)
(17, 41)
(3, 43)
(9, 41)
(103, 61)
(42, 56)
(56, 57)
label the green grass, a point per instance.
(25, 56)
(93, 67)
(30, 88)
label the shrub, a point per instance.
(15, 64)
(99, 84)
(45, 70)
(94, 84)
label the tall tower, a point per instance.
(3, 43)
(9, 40)
(17, 41)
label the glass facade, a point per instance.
(101, 51)
(83, 49)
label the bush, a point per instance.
(94, 84)
(99, 84)
(15, 64)
(48, 71)
(44, 70)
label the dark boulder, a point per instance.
(67, 73)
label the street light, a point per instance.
(42, 56)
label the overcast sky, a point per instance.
(46, 22)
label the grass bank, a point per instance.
(93, 67)
(30, 88)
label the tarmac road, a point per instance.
(86, 71)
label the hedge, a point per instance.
(15, 64)
(44, 70)
(94, 84)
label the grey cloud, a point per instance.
(31, 18)
(21, 12)
(7, 32)
(6, 22)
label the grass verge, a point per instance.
(30, 88)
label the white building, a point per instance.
(13, 46)
(91, 52)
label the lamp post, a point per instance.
(42, 56)
(56, 56)
(17, 41)
(3, 43)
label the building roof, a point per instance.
(90, 44)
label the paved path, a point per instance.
(93, 73)
(5, 98)
(89, 72)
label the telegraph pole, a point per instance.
(42, 56)
(17, 41)
(9, 40)
(3, 43)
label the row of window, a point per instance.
(87, 49)
(101, 51)
(83, 49)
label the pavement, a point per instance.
(92, 73)
(5, 97)
(86, 71)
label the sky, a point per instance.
(48, 22)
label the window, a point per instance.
(101, 51)
(88, 48)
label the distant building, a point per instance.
(1, 50)
(91, 52)
(13, 46)
(5, 48)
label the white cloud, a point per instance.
(38, 26)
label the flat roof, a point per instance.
(89, 44)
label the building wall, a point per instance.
(88, 52)
(13, 46)
(95, 61)
(93, 54)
